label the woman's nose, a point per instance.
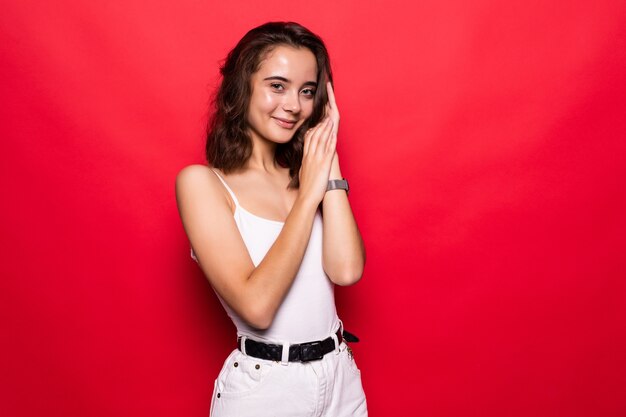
(292, 102)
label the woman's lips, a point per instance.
(287, 124)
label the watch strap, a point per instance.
(338, 185)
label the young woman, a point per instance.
(271, 227)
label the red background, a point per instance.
(484, 143)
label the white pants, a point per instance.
(248, 386)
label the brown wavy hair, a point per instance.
(228, 145)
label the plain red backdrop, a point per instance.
(484, 143)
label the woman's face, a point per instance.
(282, 96)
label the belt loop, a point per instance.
(284, 360)
(243, 344)
(336, 339)
(335, 336)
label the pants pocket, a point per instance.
(244, 375)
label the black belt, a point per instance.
(301, 352)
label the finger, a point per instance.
(331, 95)
(332, 105)
(332, 143)
(308, 136)
(322, 133)
(325, 135)
(307, 141)
(315, 135)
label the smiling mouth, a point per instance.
(288, 124)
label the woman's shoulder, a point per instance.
(194, 170)
(195, 173)
(199, 180)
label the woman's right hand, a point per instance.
(317, 156)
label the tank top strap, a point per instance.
(232, 194)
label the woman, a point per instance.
(271, 149)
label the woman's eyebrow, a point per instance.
(279, 78)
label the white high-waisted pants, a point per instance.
(248, 386)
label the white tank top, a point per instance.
(308, 311)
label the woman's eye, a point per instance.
(308, 92)
(276, 86)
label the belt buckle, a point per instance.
(311, 351)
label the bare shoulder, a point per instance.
(203, 204)
(198, 182)
(194, 174)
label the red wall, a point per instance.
(484, 143)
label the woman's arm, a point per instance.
(253, 293)
(343, 252)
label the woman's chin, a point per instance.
(280, 140)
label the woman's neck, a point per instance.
(263, 156)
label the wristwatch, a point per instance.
(338, 185)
